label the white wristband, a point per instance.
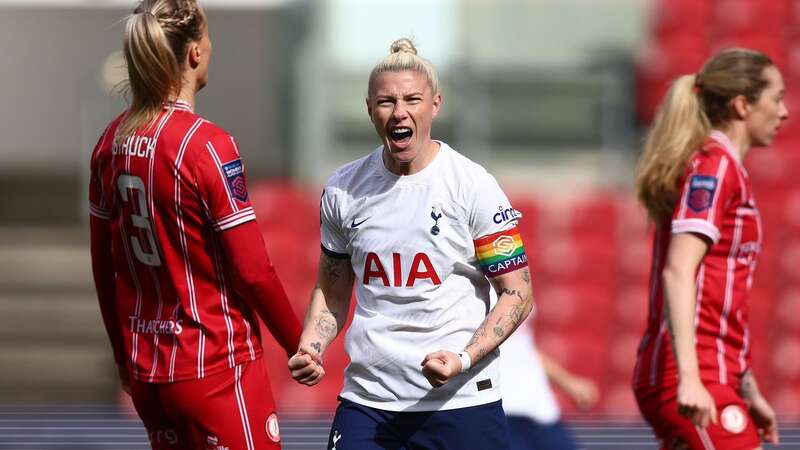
(466, 361)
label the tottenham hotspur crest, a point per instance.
(436, 214)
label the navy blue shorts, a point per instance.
(529, 435)
(358, 427)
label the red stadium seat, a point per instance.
(669, 17)
(619, 399)
(631, 305)
(660, 62)
(752, 16)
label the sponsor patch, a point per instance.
(701, 192)
(506, 214)
(484, 384)
(272, 428)
(501, 252)
(733, 419)
(234, 175)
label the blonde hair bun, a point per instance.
(403, 45)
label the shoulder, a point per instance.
(106, 139)
(466, 177)
(712, 159)
(207, 131)
(202, 136)
(354, 172)
(464, 165)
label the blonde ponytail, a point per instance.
(680, 126)
(156, 39)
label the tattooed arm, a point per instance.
(325, 317)
(513, 306)
(514, 303)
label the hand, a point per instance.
(582, 391)
(764, 419)
(695, 403)
(306, 367)
(124, 379)
(439, 367)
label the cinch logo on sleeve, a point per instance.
(234, 174)
(501, 252)
(505, 215)
(701, 192)
(421, 269)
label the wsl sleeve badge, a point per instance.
(234, 176)
(701, 192)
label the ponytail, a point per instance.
(156, 39)
(679, 128)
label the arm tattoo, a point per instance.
(498, 332)
(326, 326)
(526, 275)
(506, 291)
(479, 333)
(316, 346)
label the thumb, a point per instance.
(713, 412)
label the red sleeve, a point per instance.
(710, 185)
(104, 273)
(258, 284)
(222, 183)
(99, 205)
(100, 211)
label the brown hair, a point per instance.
(403, 56)
(157, 35)
(692, 106)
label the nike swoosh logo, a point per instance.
(357, 224)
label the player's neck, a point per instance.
(187, 94)
(737, 133)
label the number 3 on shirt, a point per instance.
(141, 220)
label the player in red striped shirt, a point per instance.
(693, 380)
(180, 265)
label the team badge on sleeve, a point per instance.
(701, 192)
(234, 175)
(501, 252)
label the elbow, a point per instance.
(528, 307)
(673, 275)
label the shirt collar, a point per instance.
(181, 105)
(726, 144)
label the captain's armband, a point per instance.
(501, 253)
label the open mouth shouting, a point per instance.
(400, 136)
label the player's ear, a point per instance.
(740, 107)
(193, 55)
(369, 109)
(437, 104)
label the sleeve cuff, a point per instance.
(696, 226)
(100, 213)
(333, 254)
(232, 220)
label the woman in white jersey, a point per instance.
(423, 234)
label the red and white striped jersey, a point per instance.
(716, 202)
(166, 193)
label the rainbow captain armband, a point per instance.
(501, 252)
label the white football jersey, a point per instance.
(526, 391)
(419, 287)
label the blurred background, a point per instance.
(551, 96)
